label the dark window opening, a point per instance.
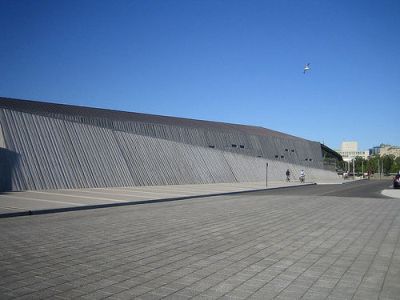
(241, 146)
(234, 145)
(276, 156)
(306, 159)
(211, 146)
(259, 156)
(292, 150)
(310, 159)
(286, 150)
(282, 156)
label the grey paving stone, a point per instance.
(150, 296)
(7, 296)
(240, 294)
(19, 292)
(291, 294)
(176, 297)
(231, 246)
(42, 294)
(113, 289)
(131, 293)
(187, 292)
(96, 295)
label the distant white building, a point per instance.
(349, 151)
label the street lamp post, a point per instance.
(379, 169)
(362, 167)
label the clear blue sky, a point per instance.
(230, 61)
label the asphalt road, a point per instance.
(362, 188)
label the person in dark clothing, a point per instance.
(287, 175)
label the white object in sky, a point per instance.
(306, 68)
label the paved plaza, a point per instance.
(44, 201)
(224, 247)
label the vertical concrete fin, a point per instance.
(2, 141)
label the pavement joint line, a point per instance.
(76, 196)
(158, 187)
(102, 193)
(198, 186)
(188, 190)
(124, 195)
(99, 197)
(130, 192)
(10, 207)
(150, 189)
(126, 203)
(43, 200)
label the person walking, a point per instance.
(288, 175)
(302, 176)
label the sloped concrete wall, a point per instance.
(264, 146)
(8, 162)
(54, 154)
(267, 144)
(2, 142)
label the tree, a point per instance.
(341, 165)
(387, 162)
(360, 165)
(375, 164)
(396, 165)
(372, 164)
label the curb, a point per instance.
(97, 206)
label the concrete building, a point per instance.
(349, 146)
(54, 146)
(349, 151)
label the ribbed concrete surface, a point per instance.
(54, 153)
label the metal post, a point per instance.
(266, 175)
(362, 168)
(379, 169)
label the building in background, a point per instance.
(375, 150)
(349, 151)
(384, 149)
(349, 146)
(55, 146)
